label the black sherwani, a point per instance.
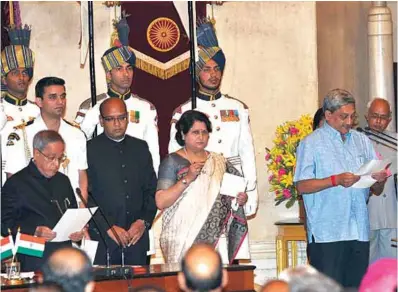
(28, 200)
(122, 180)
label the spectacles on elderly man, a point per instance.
(53, 159)
(381, 117)
(112, 119)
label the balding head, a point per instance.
(71, 268)
(114, 118)
(202, 270)
(275, 286)
(379, 114)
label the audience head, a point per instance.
(275, 286)
(379, 114)
(48, 152)
(114, 118)
(339, 109)
(51, 97)
(380, 276)
(193, 129)
(308, 279)
(70, 268)
(319, 118)
(47, 287)
(201, 270)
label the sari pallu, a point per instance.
(201, 215)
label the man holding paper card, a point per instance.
(190, 191)
(34, 199)
(337, 216)
(382, 208)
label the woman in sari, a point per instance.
(188, 192)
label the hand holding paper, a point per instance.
(371, 169)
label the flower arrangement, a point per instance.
(281, 159)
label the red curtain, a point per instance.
(167, 94)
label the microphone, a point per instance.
(108, 257)
(109, 271)
(382, 140)
(380, 133)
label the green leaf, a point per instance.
(290, 203)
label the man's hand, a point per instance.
(136, 231)
(347, 179)
(45, 232)
(380, 176)
(241, 199)
(123, 235)
(76, 236)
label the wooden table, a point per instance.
(241, 278)
(288, 230)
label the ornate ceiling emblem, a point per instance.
(163, 34)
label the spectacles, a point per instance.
(53, 159)
(381, 117)
(114, 119)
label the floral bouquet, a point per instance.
(281, 159)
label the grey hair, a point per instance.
(337, 98)
(43, 138)
(308, 279)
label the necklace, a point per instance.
(189, 159)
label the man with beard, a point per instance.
(229, 117)
(382, 208)
(16, 73)
(123, 182)
(337, 215)
(51, 99)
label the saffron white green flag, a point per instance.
(7, 246)
(29, 245)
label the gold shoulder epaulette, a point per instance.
(244, 105)
(151, 105)
(24, 124)
(179, 108)
(73, 124)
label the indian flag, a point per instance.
(7, 246)
(29, 245)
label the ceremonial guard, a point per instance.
(17, 62)
(119, 63)
(51, 98)
(229, 117)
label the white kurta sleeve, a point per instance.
(151, 136)
(91, 120)
(247, 156)
(173, 145)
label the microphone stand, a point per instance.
(381, 140)
(380, 133)
(118, 272)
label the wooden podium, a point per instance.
(241, 278)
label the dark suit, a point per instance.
(122, 180)
(27, 201)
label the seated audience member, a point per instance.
(34, 199)
(191, 173)
(318, 120)
(70, 268)
(201, 270)
(308, 279)
(275, 286)
(381, 276)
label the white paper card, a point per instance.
(72, 221)
(90, 247)
(232, 185)
(366, 170)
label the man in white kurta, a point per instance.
(383, 208)
(52, 103)
(231, 134)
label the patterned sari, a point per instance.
(202, 214)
